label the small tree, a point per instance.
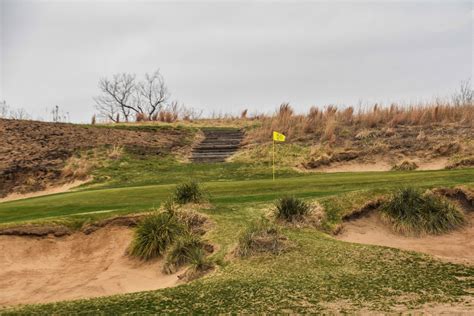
(154, 93)
(117, 96)
(122, 96)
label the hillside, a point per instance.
(33, 154)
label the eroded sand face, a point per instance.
(39, 270)
(456, 246)
(52, 190)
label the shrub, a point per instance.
(261, 236)
(410, 211)
(182, 252)
(291, 208)
(154, 234)
(405, 166)
(189, 192)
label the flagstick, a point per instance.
(273, 159)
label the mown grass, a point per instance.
(316, 274)
(144, 198)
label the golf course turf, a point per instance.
(317, 273)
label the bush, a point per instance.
(199, 263)
(290, 208)
(261, 236)
(405, 166)
(154, 234)
(410, 211)
(189, 192)
(182, 252)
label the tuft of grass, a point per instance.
(290, 208)
(200, 264)
(260, 236)
(182, 252)
(189, 192)
(154, 234)
(405, 166)
(410, 211)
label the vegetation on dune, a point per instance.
(405, 166)
(261, 236)
(290, 208)
(199, 263)
(184, 250)
(154, 234)
(189, 192)
(411, 211)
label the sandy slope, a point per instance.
(38, 270)
(51, 190)
(457, 246)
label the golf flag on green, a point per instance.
(277, 137)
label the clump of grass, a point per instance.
(199, 263)
(410, 211)
(405, 166)
(261, 236)
(290, 208)
(154, 234)
(182, 252)
(189, 192)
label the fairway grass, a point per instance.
(143, 198)
(317, 273)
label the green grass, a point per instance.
(154, 234)
(142, 198)
(290, 208)
(183, 251)
(188, 192)
(315, 274)
(410, 211)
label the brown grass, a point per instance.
(329, 122)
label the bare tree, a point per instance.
(154, 92)
(19, 114)
(117, 96)
(4, 109)
(465, 95)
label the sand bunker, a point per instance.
(51, 190)
(39, 270)
(456, 246)
(381, 165)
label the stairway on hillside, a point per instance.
(218, 145)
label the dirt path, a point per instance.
(39, 270)
(457, 246)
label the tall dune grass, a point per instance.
(327, 121)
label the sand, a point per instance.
(456, 246)
(40, 270)
(52, 190)
(381, 165)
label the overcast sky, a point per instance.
(225, 57)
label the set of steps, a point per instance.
(218, 145)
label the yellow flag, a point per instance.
(278, 137)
